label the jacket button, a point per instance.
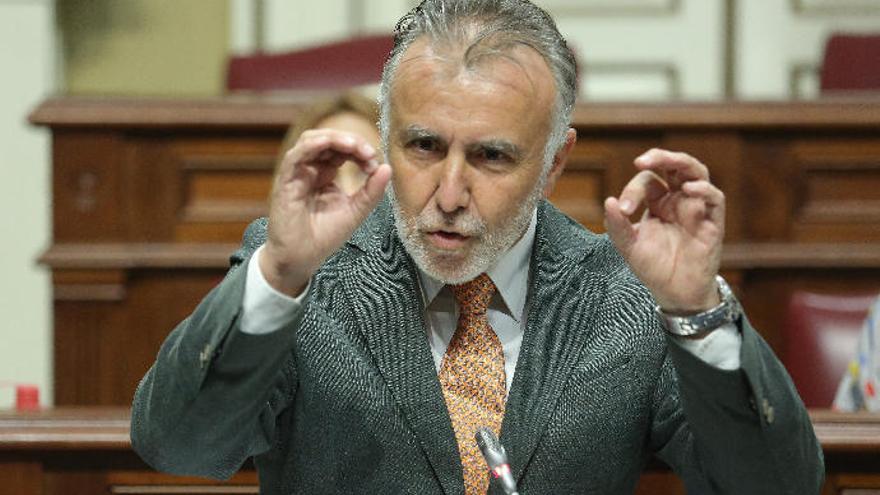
(205, 356)
(768, 411)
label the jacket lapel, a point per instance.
(562, 299)
(393, 327)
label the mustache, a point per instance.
(462, 222)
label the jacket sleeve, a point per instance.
(210, 400)
(739, 431)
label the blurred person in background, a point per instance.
(858, 390)
(350, 112)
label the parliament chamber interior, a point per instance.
(149, 194)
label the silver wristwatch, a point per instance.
(727, 312)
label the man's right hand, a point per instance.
(309, 216)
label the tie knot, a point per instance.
(473, 297)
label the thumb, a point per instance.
(366, 198)
(619, 228)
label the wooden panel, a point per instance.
(188, 186)
(598, 166)
(89, 285)
(838, 192)
(223, 190)
(822, 189)
(103, 347)
(151, 197)
(89, 197)
(21, 477)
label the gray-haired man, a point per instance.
(357, 347)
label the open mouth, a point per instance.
(447, 240)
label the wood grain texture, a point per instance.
(87, 450)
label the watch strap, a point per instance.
(728, 311)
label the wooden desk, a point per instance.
(151, 196)
(86, 451)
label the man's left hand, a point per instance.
(675, 248)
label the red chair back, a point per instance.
(820, 336)
(333, 66)
(852, 62)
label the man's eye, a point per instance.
(493, 155)
(424, 144)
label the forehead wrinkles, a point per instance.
(508, 64)
(493, 46)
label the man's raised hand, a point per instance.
(675, 248)
(309, 216)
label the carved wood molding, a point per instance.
(193, 255)
(183, 489)
(84, 428)
(138, 256)
(740, 256)
(88, 428)
(846, 432)
(277, 112)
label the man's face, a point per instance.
(467, 146)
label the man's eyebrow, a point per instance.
(415, 132)
(499, 145)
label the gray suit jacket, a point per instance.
(347, 400)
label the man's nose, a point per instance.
(453, 191)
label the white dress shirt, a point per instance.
(265, 310)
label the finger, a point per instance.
(366, 198)
(678, 167)
(712, 197)
(645, 186)
(318, 145)
(317, 155)
(691, 213)
(618, 226)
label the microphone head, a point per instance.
(496, 459)
(490, 447)
(486, 439)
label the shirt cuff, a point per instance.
(721, 348)
(264, 309)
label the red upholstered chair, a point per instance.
(820, 336)
(332, 66)
(851, 63)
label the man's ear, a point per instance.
(559, 160)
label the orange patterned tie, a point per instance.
(472, 377)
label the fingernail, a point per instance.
(372, 165)
(367, 149)
(626, 206)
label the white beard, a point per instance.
(486, 248)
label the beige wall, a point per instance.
(144, 47)
(26, 55)
(630, 49)
(83, 47)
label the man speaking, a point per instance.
(361, 340)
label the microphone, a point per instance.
(496, 458)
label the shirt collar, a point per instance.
(510, 274)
